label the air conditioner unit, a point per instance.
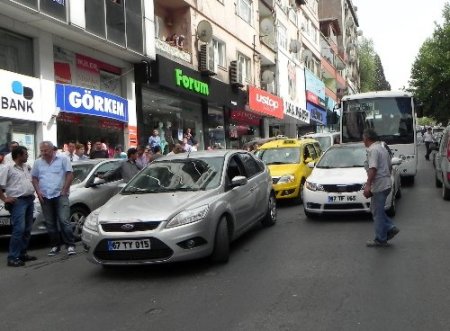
(207, 65)
(236, 74)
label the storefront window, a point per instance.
(16, 53)
(171, 116)
(21, 131)
(244, 127)
(216, 130)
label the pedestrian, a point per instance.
(156, 153)
(79, 151)
(428, 140)
(177, 149)
(119, 153)
(19, 201)
(8, 157)
(142, 158)
(98, 152)
(127, 169)
(52, 176)
(378, 186)
(154, 139)
(70, 153)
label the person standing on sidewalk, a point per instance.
(52, 176)
(19, 200)
(428, 139)
(378, 186)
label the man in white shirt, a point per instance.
(428, 139)
(71, 147)
(8, 157)
(16, 181)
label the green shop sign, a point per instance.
(190, 83)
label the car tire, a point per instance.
(392, 209)
(445, 192)
(221, 251)
(271, 215)
(437, 182)
(77, 216)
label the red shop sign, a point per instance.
(109, 124)
(265, 103)
(311, 97)
(245, 117)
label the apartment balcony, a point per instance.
(173, 35)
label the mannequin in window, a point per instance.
(162, 135)
(168, 135)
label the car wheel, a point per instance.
(221, 251)
(392, 209)
(408, 180)
(445, 192)
(437, 182)
(77, 216)
(271, 215)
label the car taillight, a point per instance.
(448, 150)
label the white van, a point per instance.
(442, 164)
(325, 139)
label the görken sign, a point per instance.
(263, 102)
(20, 96)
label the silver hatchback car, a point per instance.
(182, 207)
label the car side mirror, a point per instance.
(396, 161)
(239, 181)
(311, 165)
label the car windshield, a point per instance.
(343, 158)
(191, 174)
(279, 155)
(324, 142)
(80, 172)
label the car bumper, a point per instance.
(286, 191)
(166, 245)
(319, 202)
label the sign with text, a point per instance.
(318, 115)
(79, 100)
(245, 117)
(296, 112)
(265, 103)
(20, 96)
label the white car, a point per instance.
(336, 184)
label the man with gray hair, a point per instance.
(378, 186)
(52, 177)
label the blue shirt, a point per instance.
(154, 141)
(51, 176)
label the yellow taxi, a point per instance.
(287, 160)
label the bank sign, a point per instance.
(84, 101)
(20, 96)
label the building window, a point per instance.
(244, 10)
(282, 36)
(95, 17)
(293, 16)
(134, 16)
(245, 66)
(16, 53)
(115, 21)
(218, 49)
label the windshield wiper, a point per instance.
(277, 162)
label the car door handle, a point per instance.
(253, 189)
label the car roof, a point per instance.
(95, 161)
(347, 145)
(285, 143)
(202, 154)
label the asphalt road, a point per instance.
(297, 275)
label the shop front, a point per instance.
(178, 99)
(90, 115)
(20, 111)
(270, 106)
(315, 101)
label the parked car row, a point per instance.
(441, 163)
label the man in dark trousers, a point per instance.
(378, 186)
(15, 179)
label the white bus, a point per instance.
(391, 114)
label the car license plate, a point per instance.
(4, 221)
(128, 245)
(341, 198)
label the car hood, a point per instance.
(277, 170)
(357, 175)
(149, 207)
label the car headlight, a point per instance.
(188, 216)
(313, 186)
(286, 179)
(91, 221)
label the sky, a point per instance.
(398, 29)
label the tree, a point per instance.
(381, 84)
(370, 67)
(430, 73)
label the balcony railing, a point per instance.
(173, 50)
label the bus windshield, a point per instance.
(390, 117)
